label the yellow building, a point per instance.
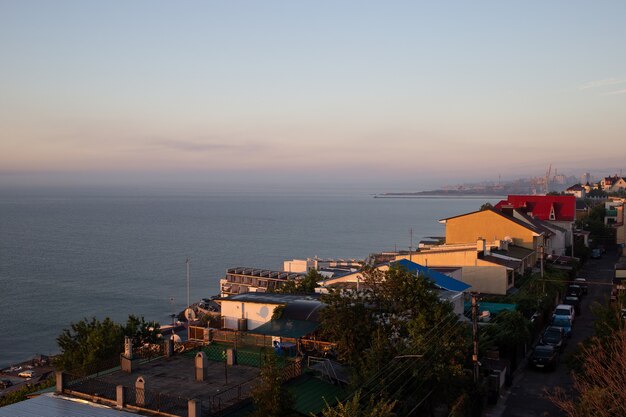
(493, 226)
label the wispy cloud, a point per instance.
(192, 146)
(612, 93)
(602, 83)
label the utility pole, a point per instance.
(411, 247)
(543, 283)
(475, 335)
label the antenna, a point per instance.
(187, 264)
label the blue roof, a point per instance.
(440, 280)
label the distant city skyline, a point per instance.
(269, 93)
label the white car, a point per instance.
(564, 310)
(26, 374)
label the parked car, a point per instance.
(564, 322)
(5, 383)
(26, 374)
(574, 302)
(582, 283)
(553, 336)
(544, 356)
(575, 290)
(565, 310)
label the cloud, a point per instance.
(602, 83)
(612, 93)
(193, 146)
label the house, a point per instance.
(559, 210)
(449, 288)
(576, 190)
(492, 225)
(247, 311)
(241, 280)
(582, 209)
(480, 264)
(554, 236)
(613, 184)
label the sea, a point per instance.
(69, 256)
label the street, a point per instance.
(526, 397)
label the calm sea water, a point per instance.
(66, 258)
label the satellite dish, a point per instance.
(508, 239)
(190, 315)
(175, 338)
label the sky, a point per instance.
(400, 95)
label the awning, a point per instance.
(286, 328)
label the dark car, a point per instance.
(582, 283)
(574, 302)
(5, 383)
(553, 336)
(544, 357)
(575, 290)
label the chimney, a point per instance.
(481, 247)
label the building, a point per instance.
(248, 311)
(613, 184)
(449, 288)
(492, 225)
(241, 280)
(305, 265)
(489, 268)
(559, 210)
(577, 190)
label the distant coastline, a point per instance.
(442, 194)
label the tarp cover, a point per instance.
(286, 328)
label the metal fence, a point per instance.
(156, 401)
(91, 386)
(229, 398)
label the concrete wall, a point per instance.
(487, 225)
(256, 313)
(486, 279)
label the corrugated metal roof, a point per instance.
(50, 405)
(440, 280)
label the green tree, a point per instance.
(142, 331)
(397, 314)
(354, 408)
(305, 285)
(486, 206)
(270, 397)
(89, 341)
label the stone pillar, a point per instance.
(120, 396)
(59, 382)
(128, 347)
(140, 391)
(194, 408)
(205, 335)
(169, 348)
(127, 362)
(231, 357)
(201, 366)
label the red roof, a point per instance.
(541, 206)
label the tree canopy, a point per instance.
(90, 340)
(399, 337)
(305, 285)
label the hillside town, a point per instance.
(460, 325)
